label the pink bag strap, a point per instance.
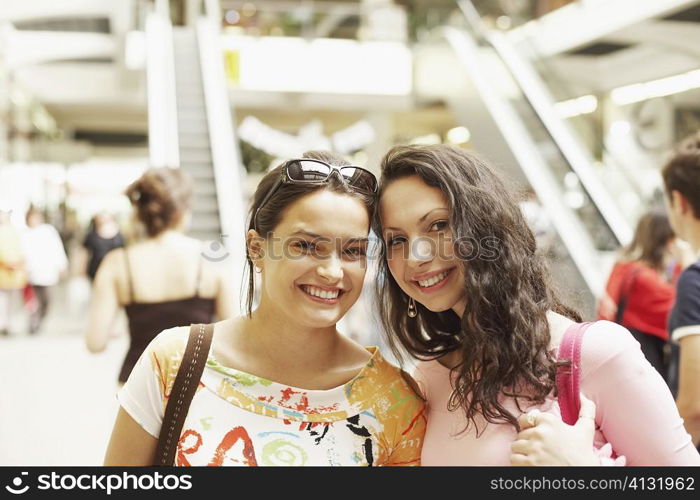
(568, 378)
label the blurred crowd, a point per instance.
(34, 258)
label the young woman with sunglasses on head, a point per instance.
(282, 386)
(463, 289)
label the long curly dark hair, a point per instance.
(503, 337)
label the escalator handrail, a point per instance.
(163, 143)
(538, 99)
(607, 156)
(552, 74)
(226, 158)
(567, 223)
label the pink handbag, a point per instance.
(568, 380)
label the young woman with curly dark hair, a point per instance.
(462, 288)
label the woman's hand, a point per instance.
(544, 439)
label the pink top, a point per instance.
(635, 410)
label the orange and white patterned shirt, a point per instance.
(240, 419)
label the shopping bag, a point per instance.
(30, 301)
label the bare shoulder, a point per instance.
(114, 259)
(111, 268)
(227, 331)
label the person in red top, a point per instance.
(641, 288)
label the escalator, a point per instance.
(191, 127)
(193, 135)
(515, 124)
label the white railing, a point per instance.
(226, 157)
(540, 99)
(574, 153)
(579, 23)
(163, 144)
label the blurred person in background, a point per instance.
(102, 237)
(163, 281)
(681, 176)
(45, 261)
(13, 276)
(641, 288)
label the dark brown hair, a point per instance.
(161, 196)
(651, 236)
(682, 172)
(503, 337)
(271, 214)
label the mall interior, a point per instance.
(576, 102)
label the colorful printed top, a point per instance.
(241, 419)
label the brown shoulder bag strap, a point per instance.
(184, 387)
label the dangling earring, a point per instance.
(412, 312)
(258, 270)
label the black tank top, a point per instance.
(148, 319)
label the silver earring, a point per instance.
(412, 312)
(257, 269)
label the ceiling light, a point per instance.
(426, 139)
(656, 88)
(503, 22)
(458, 135)
(232, 17)
(620, 128)
(579, 106)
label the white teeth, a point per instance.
(434, 280)
(322, 294)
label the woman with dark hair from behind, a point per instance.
(465, 291)
(163, 281)
(640, 291)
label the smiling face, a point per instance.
(420, 246)
(314, 261)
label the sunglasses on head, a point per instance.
(311, 172)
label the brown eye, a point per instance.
(439, 225)
(355, 253)
(395, 241)
(304, 246)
